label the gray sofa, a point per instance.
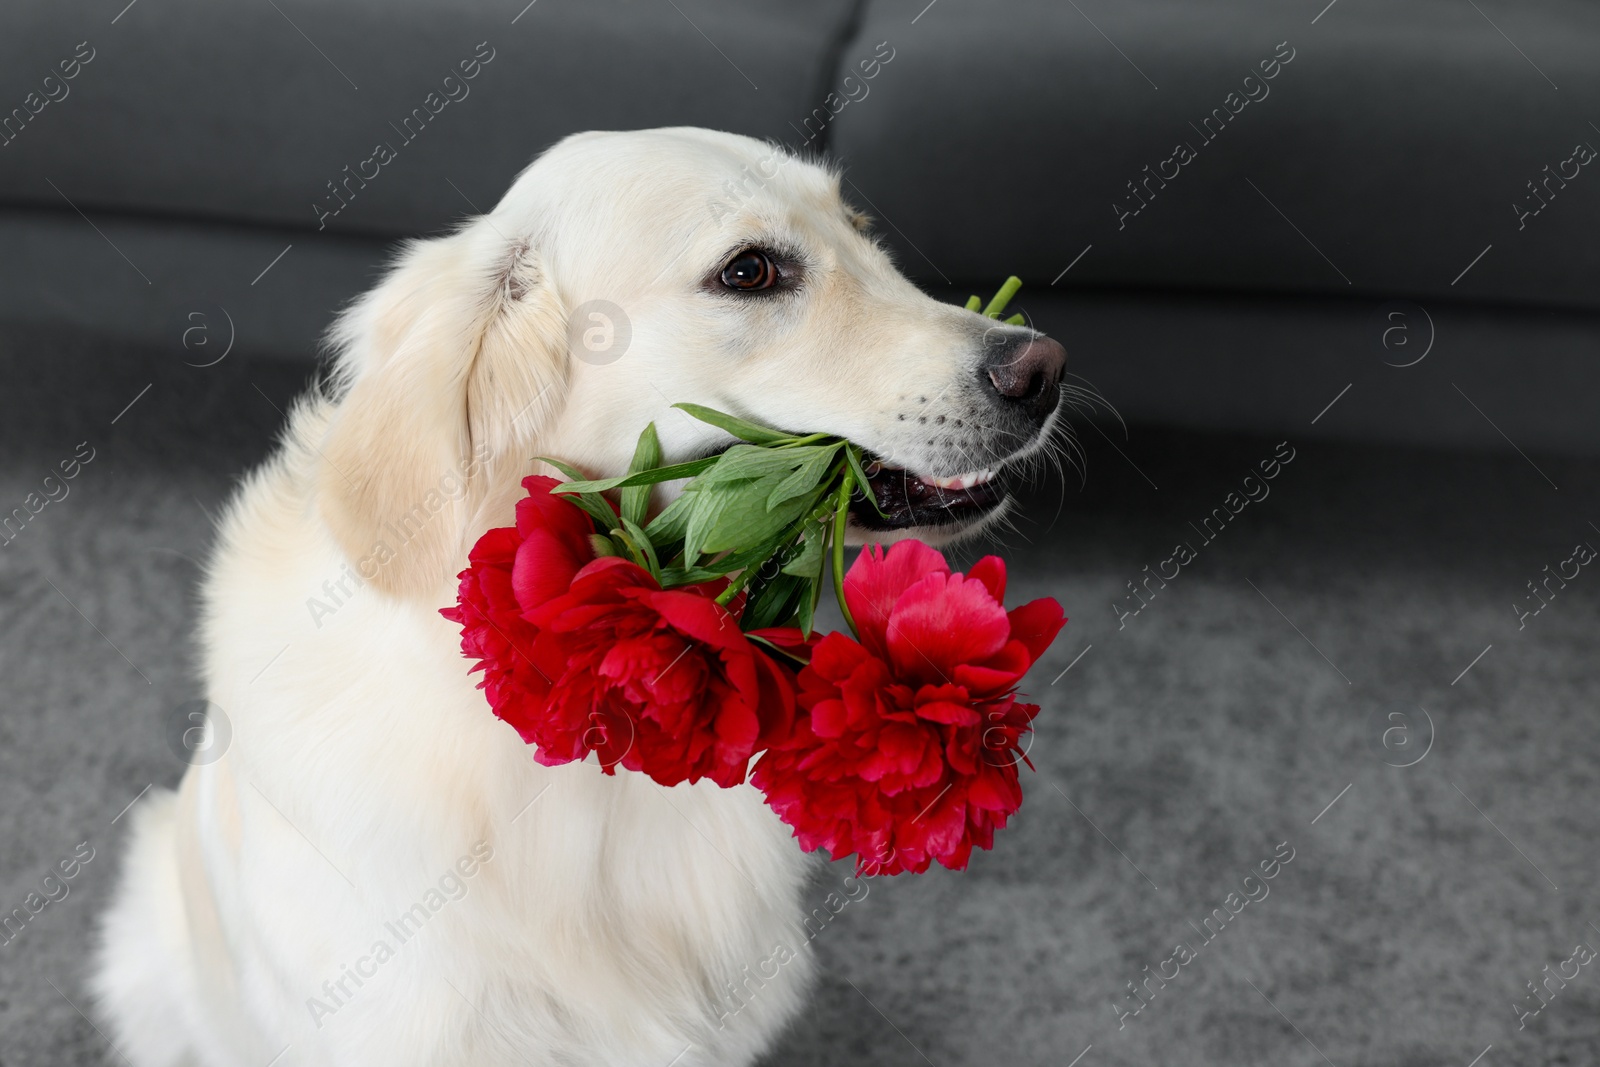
(1211, 203)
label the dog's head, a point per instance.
(627, 272)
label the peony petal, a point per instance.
(944, 711)
(942, 621)
(542, 510)
(945, 821)
(829, 718)
(599, 582)
(496, 546)
(698, 617)
(544, 569)
(991, 571)
(956, 859)
(777, 701)
(999, 675)
(877, 580)
(737, 727)
(995, 789)
(1036, 624)
(836, 657)
(787, 638)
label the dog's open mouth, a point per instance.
(908, 500)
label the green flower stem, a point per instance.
(809, 439)
(736, 585)
(841, 518)
(1003, 297)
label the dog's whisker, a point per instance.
(1092, 394)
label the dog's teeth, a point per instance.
(960, 481)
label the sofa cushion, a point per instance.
(245, 112)
(1340, 149)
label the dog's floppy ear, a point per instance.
(445, 373)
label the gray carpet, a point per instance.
(1173, 757)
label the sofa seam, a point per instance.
(832, 63)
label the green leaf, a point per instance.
(745, 431)
(862, 481)
(750, 556)
(669, 526)
(676, 576)
(649, 477)
(809, 473)
(642, 542)
(597, 508)
(566, 469)
(774, 601)
(646, 456)
(743, 463)
(806, 614)
(807, 563)
(593, 503)
(634, 552)
(743, 519)
(704, 513)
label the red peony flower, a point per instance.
(591, 655)
(907, 747)
(662, 681)
(511, 570)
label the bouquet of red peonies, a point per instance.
(681, 646)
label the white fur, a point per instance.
(613, 915)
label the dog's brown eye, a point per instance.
(750, 271)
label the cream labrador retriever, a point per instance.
(375, 871)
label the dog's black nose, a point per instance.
(1026, 374)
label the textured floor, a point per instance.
(1177, 754)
